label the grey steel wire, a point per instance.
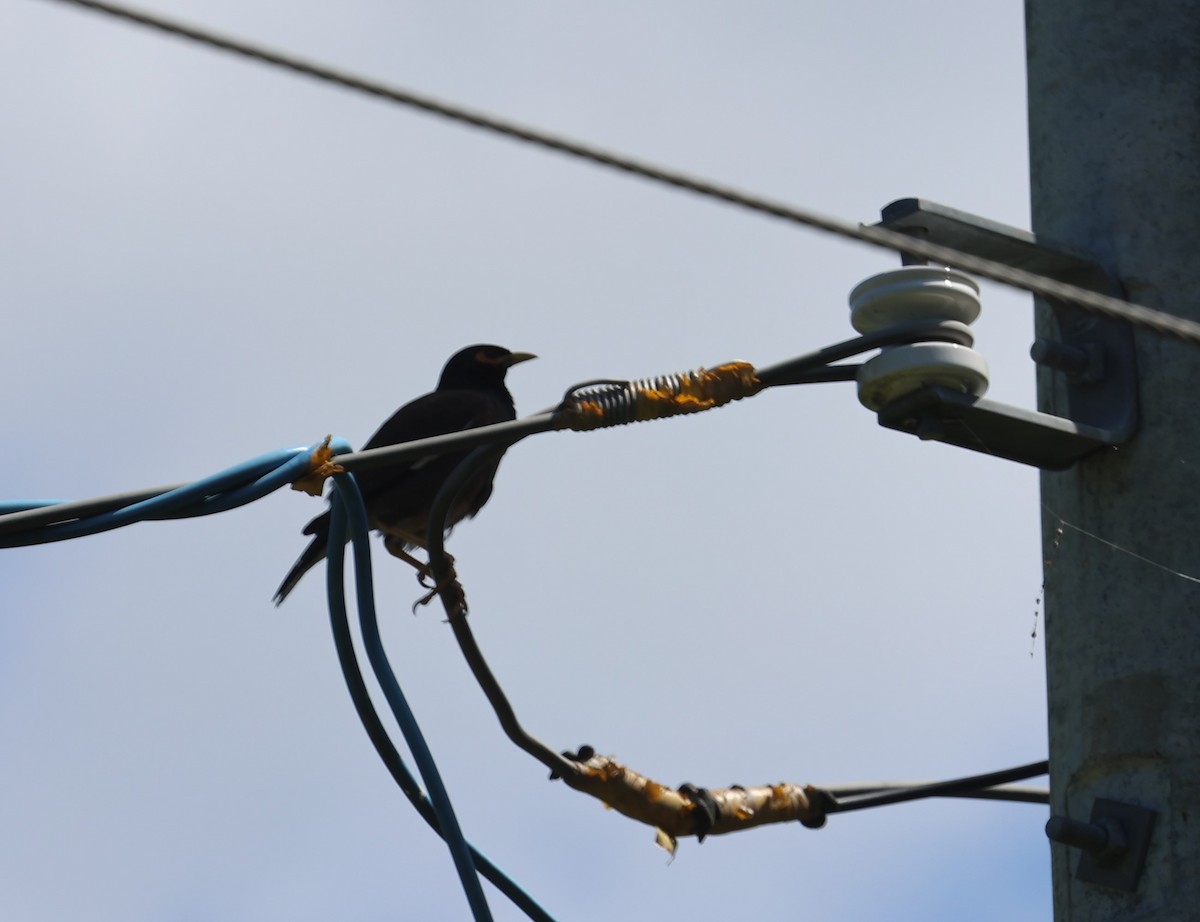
(1018, 793)
(955, 787)
(40, 515)
(558, 764)
(877, 236)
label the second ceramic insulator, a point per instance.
(909, 294)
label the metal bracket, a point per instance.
(1114, 842)
(1094, 354)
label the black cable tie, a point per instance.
(585, 752)
(821, 803)
(707, 808)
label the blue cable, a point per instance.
(32, 522)
(283, 475)
(232, 487)
(394, 762)
(24, 505)
(347, 503)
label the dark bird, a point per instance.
(398, 498)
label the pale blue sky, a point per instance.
(205, 259)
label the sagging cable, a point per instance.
(349, 513)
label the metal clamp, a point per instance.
(1094, 354)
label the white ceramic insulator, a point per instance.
(902, 370)
(916, 293)
(913, 293)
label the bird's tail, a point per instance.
(313, 554)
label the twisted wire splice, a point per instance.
(617, 403)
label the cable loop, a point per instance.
(597, 404)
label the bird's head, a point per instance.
(480, 366)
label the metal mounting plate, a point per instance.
(1101, 412)
(1008, 432)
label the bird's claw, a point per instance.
(456, 604)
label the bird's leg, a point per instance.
(395, 545)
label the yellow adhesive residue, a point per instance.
(321, 466)
(666, 841)
(586, 414)
(669, 395)
(699, 390)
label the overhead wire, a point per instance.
(562, 765)
(32, 522)
(40, 521)
(1137, 314)
(956, 787)
(1017, 793)
(443, 576)
(26, 522)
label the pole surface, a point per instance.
(1114, 116)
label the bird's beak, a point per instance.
(516, 358)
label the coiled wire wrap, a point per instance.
(600, 403)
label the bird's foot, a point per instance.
(396, 546)
(456, 603)
(425, 574)
(456, 600)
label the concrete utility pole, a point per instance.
(1114, 116)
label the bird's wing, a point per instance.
(438, 413)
